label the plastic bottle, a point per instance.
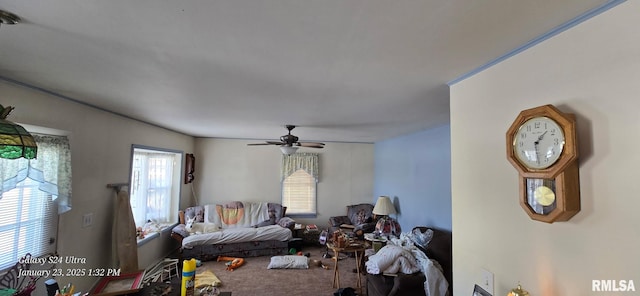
(188, 277)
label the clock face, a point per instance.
(538, 143)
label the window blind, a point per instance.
(28, 224)
(299, 193)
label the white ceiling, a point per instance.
(342, 70)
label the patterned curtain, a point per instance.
(306, 161)
(51, 168)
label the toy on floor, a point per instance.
(232, 262)
(319, 263)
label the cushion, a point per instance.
(286, 222)
(289, 261)
(197, 211)
(276, 211)
(420, 238)
(180, 229)
(360, 214)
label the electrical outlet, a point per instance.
(87, 219)
(487, 281)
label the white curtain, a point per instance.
(51, 168)
(151, 186)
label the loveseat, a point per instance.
(237, 229)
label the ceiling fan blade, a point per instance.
(259, 144)
(290, 140)
(311, 145)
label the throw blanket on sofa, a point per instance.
(237, 214)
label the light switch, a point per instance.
(87, 219)
(487, 281)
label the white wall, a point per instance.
(592, 70)
(100, 154)
(228, 169)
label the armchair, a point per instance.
(359, 219)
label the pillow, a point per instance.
(286, 222)
(420, 238)
(275, 210)
(360, 214)
(180, 229)
(289, 261)
(197, 211)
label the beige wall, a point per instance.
(592, 70)
(228, 170)
(101, 152)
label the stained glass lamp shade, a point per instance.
(15, 141)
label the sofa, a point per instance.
(236, 229)
(359, 219)
(438, 249)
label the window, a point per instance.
(299, 193)
(33, 193)
(299, 183)
(155, 185)
(28, 223)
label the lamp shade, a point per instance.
(384, 206)
(288, 150)
(15, 141)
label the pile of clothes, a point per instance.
(401, 255)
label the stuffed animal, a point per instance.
(232, 262)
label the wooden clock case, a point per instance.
(564, 172)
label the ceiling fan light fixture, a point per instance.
(289, 143)
(15, 141)
(288, 150)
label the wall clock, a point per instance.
(542, 146)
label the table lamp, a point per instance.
(386, 225)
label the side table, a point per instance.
(376, 242)
(358, 250)
(311, 237)
(297, 230)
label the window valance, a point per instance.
(305, 161)
(51, 168)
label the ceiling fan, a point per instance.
(289, 143)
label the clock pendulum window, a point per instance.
(542, 146)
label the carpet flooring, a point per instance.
(253, 278)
